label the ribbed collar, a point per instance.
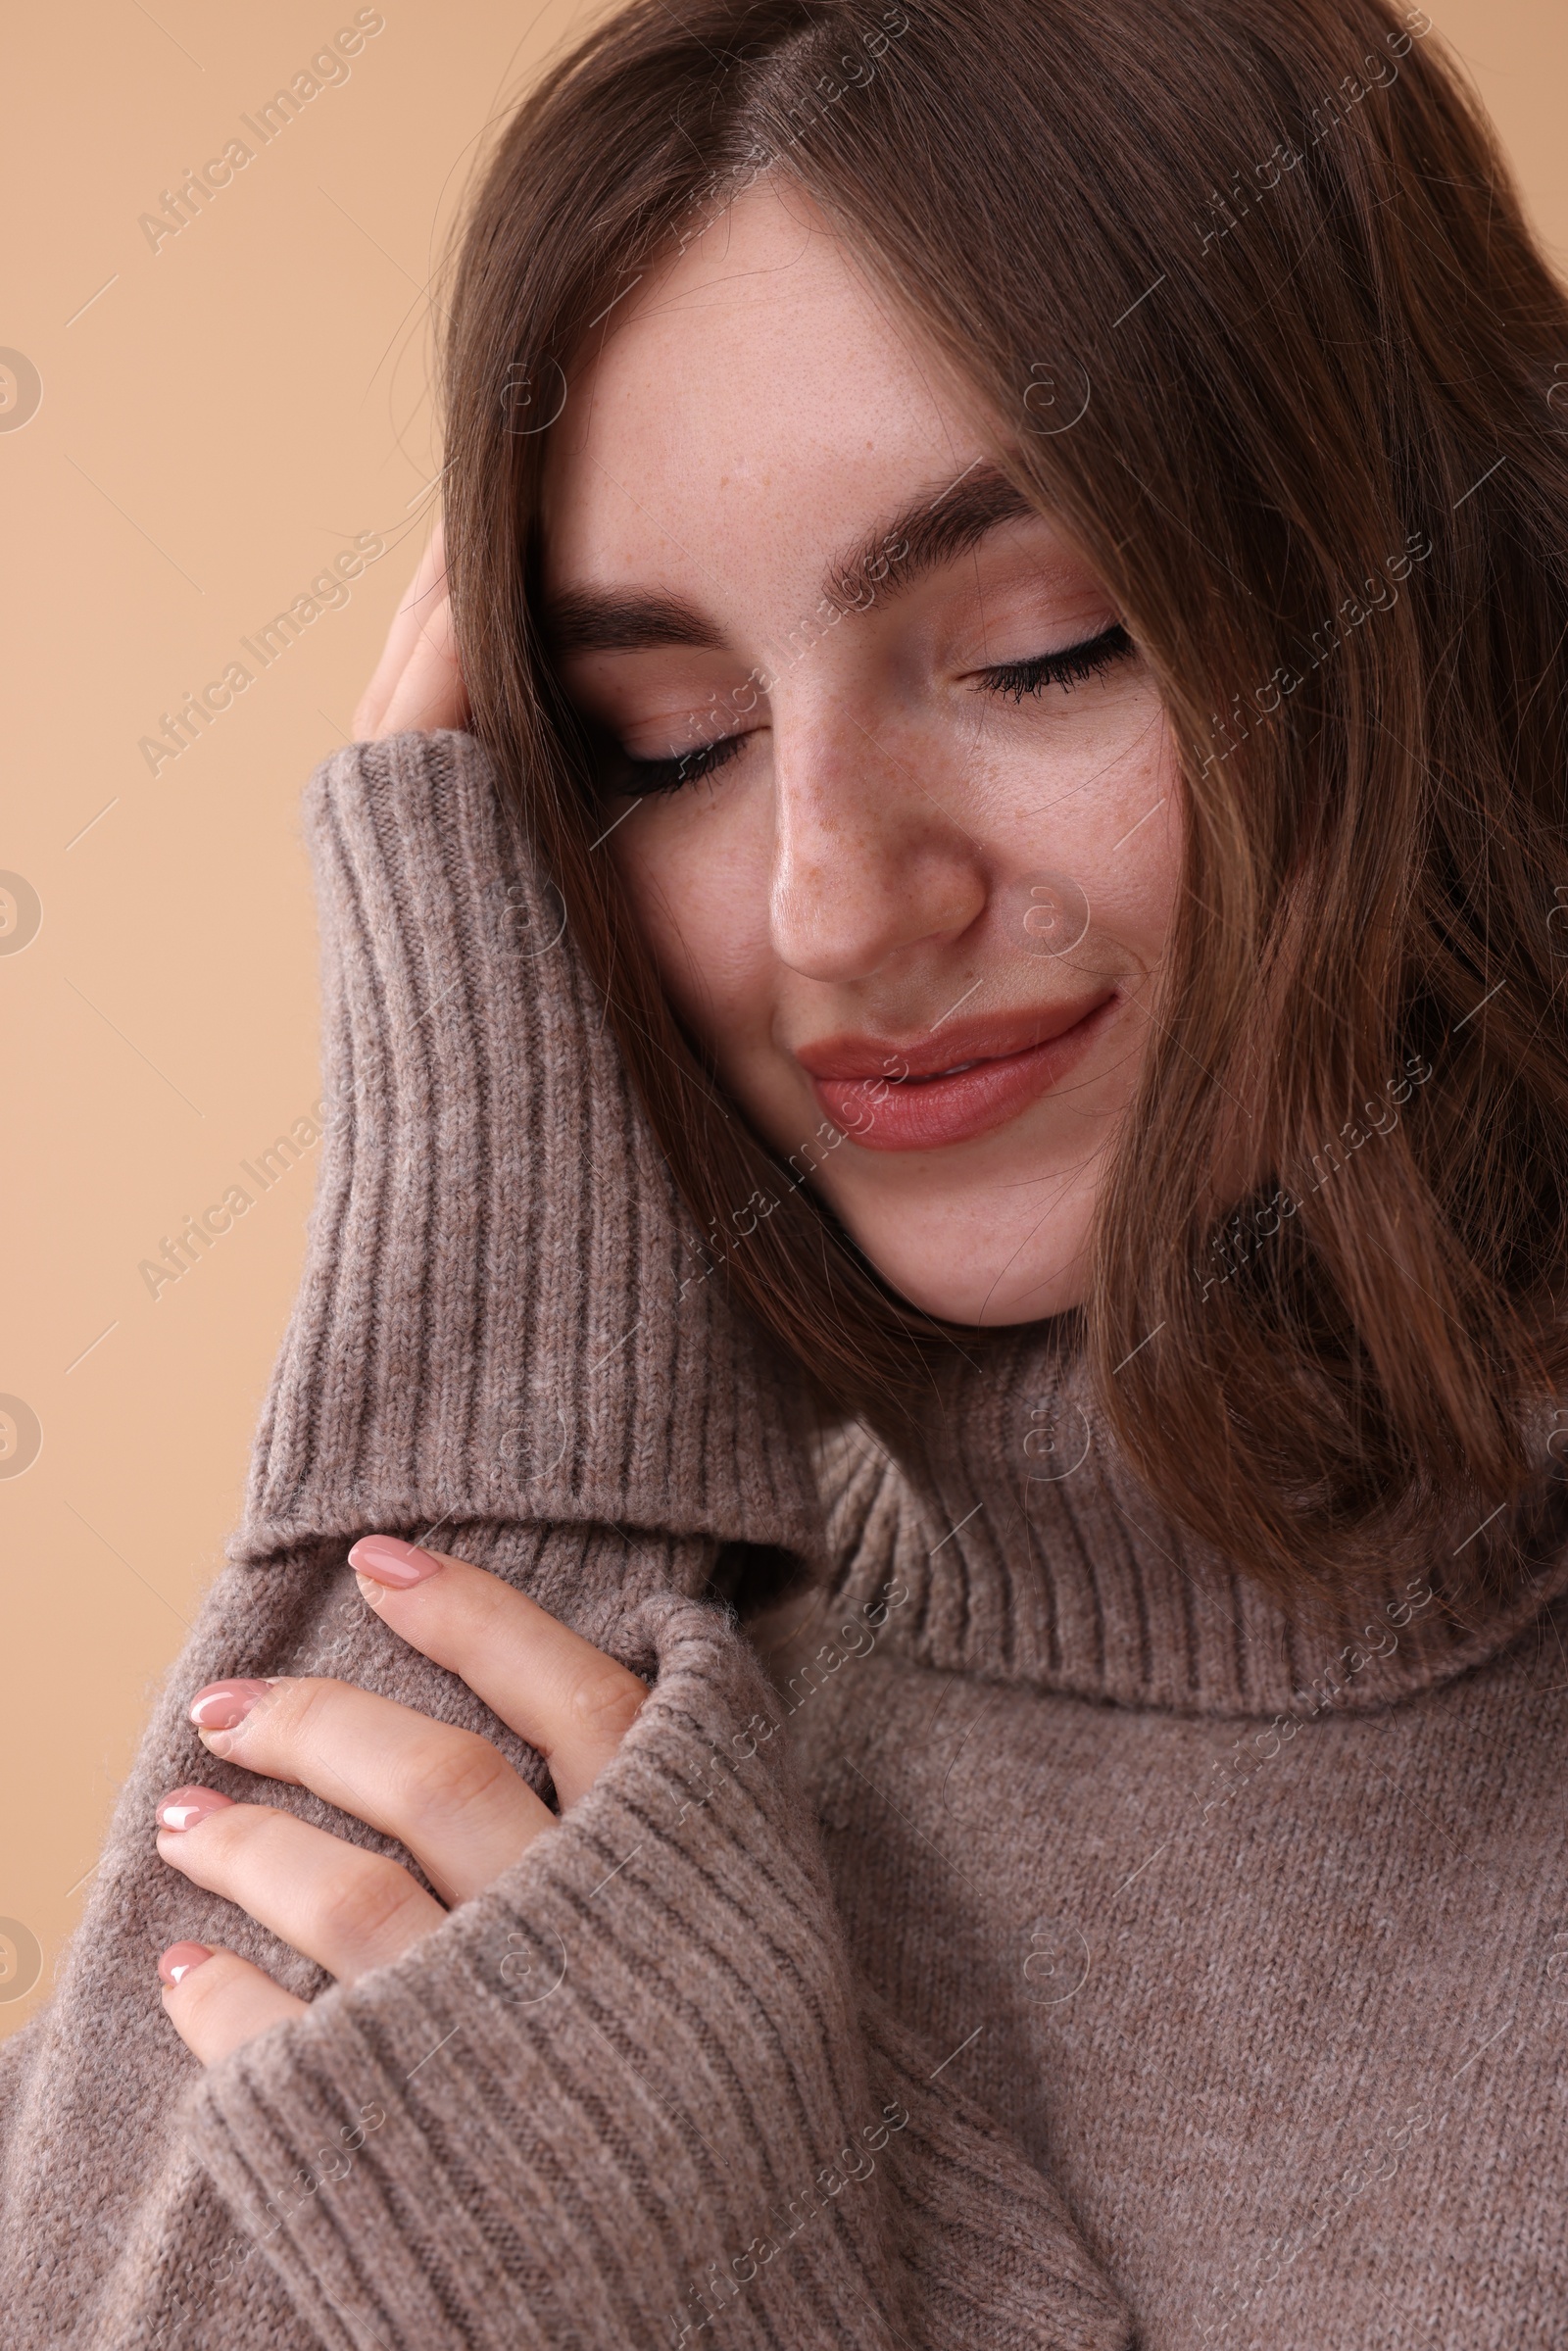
(1029, 1553)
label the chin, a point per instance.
(982, 1289)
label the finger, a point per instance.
(216, 2001)
(549, 1685)
(447, 1794)
(348, 1910)
(429, 692)
(424, 591)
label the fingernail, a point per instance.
(222, 1704)
(179, 1960)
(183, 1807)
(388, 1559)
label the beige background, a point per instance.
(219, 419)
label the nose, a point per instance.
(868, 862)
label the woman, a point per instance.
(944, 1008)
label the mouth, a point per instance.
(951, 1086)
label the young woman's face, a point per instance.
(894, 798)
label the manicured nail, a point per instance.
(388, 1559)
(179, 1960)
(222, 1704)
(183, 1807)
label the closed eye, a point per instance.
(1071, 667)
(640, 777)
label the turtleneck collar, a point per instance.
(1029, 1553)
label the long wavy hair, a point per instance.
(1247, 296)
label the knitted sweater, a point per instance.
(1059, 1944)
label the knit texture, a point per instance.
(507, 1313)
(1025, 1933)
(1247, 1924)
(1033, 1555)
(638, 2090)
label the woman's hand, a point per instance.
(449, 1795)
(417, 684)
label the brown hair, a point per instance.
(1248, 295)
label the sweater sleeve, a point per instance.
(632, 2096)
(635, 2091)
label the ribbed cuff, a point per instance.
(504, 1313)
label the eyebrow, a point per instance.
(925, 534)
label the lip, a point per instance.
(886, 1096)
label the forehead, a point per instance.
(757, 399)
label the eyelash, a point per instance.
(1072, 666)
(643, 777)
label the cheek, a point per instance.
(1094, 805)
(699, 889)
(1134, 842)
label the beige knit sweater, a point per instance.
(1066, 1947)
